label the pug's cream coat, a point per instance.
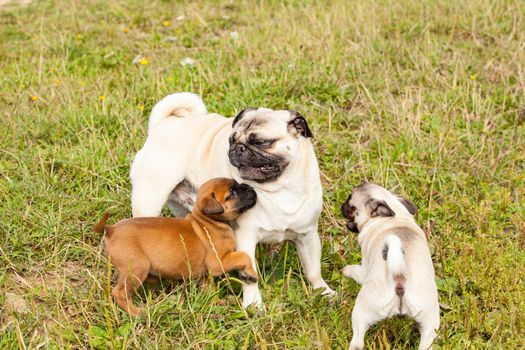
(396, 271)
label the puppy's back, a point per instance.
(148, 226)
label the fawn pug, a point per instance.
(396, 272)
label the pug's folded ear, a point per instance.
(241, 114)
(377, 207)
(210, 206)
(408, 204)
(299, 124)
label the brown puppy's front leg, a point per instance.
(235, 261)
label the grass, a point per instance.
(426, 98)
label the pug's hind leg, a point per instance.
(364, 315)
(153, 178)
(148, 197)
(428, 326)
(356, 272)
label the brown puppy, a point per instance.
(176, 248)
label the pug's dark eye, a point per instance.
(261, 143)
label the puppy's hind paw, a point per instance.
(135, 311)
(354, 272)
(347, 271)
(329, 292)
(247, 278)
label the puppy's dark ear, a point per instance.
(378, 207)
(408, 204)
(241, 114)
(299, 124)
(210, 206)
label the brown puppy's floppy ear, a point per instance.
(210, 206)
(378, 207)
(241, 114)
(408, 204)
(299, 124)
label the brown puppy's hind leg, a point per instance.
(129, 280)
(236, 261)
(152, 279)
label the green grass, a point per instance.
(426, 98)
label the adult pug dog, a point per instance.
(270, 150)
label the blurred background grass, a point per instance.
(425, 98)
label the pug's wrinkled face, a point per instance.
(263, 142)
(369, 201)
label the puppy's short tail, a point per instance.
(182, 104)
(101, 226)
(395, 262)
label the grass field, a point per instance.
(427, 98)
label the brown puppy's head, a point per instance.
(264, 142)
(368, 201)
(223, 199)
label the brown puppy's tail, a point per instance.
(101, 226)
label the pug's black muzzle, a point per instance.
(255, 164)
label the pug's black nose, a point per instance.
(352, 227)
(344, 209)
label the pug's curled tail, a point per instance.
(101, 226)
(179, 105)
(395, 262)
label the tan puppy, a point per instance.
(396, 272)
(176, 248)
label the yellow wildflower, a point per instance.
(165, 23)
(144, 61)
(125, 30)
(102, 97)
(34, 98)
(141, 107)
(473, 76)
